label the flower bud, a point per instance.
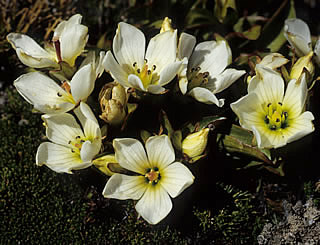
(107, 164)
(301, 63)
(195, 144)
(113, 101)
(166, 25)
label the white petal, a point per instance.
(124, 187)
(186, 45)
(176, 178)
(224, 80)
(118, 74)
(301, 126)
(204, 95)
(72, 43)
(129, 46)
(160, 151)
(89, 122)
(317, 51)
(82, 83)
(298, 34)
(295, 97)
(43, 93)
(274, 60)
(135, 82)
(131, 155)
(154, 205)
(268, 84)
(182, 75)
(30, 53)
(62, 128)
(249, 111)
(162, 50)
(169, 72)
(73, 37)
(211, 56)
(89, 150)
(59, 158)
(155, 89)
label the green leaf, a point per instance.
(243, 141)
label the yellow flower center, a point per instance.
(66, 97)
(145, 73)
(152, 175)
(276, 117)
(76, 144)
(197, 78)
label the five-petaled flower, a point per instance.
(157, 176)
(205, 73)
(146, 70)
(72, 147)
(69, 39)
(274, 117)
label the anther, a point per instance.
(205, 74)
(145, 61)
(78, 137)
(149, 72)
(285, 114)
(154, 67)
(269, 104)
(138, 70)
(72, 150)
(59, 95)
(280, 103)
(198, 68)
(69, 142)
(134, 64)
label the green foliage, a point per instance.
(238, 222)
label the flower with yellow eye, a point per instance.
(205, 73)
(274, 117)
(48, 97)
(132, 66)
(72, 148)
(69, 39)
(157, 176)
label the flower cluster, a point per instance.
(274, 109)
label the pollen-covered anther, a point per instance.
(152, 176)
(144, 72)
(275, 117)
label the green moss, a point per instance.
(238, 222)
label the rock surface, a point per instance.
(301, 226)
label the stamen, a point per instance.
(145, 61)
(138, 70)
(154, 67)
(59, 95)
(134, 64)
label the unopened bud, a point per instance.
(195, 144)
(113, 101)
(107, 164)
(305, 62)
(166, 25)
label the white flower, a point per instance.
(146, 70)
(48, 97)
(206, 72)
(274, 117)
(159, 177)
(70, 38)
(72, 147)
(298, 35)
